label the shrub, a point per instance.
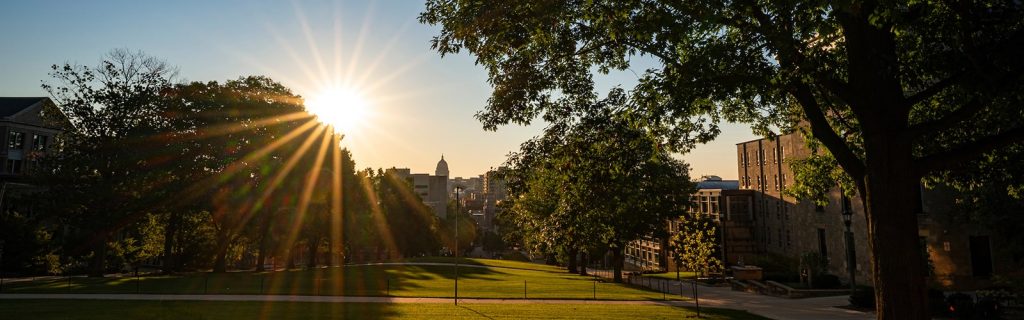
(937, 303)
(961, 305)
(826, 281)
(863, 297)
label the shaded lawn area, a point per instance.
(212, 310)
(496, 279)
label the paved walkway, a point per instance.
(767, 306)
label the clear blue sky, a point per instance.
(422, 105)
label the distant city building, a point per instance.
(431, 188)
(494, 193)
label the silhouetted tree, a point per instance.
(893, 91)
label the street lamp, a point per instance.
(850, 253)
(458, 189)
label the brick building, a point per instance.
(961, 256)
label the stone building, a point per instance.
(732, 210)
(433, 189)
(961, 256)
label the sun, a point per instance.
(344, 109)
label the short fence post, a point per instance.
(206, 284)
(524, 289)
(595, 290)
(664, 295)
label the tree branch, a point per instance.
(824, 132)
(965, 112)
(933, 89)
(968, 151)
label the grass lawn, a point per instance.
(671, 275)
(495, 279)
(212, 310)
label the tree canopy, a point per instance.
(598, 179)
(892, 91)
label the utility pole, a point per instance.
(457, 190)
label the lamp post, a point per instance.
(457, 190)
(851, 259)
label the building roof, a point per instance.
(719, 184)
(442, 168)
(10, 106)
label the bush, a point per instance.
(863, 297)
(782, 277)
(937, 303)
(826, 281)
(961, 305)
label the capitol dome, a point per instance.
(442, 168)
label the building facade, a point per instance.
(730, 208)
(960, 256)
(27, 135)
(433, 189)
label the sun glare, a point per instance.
(343, 109)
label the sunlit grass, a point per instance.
(671, 275)
(485, 279)
(80, 309)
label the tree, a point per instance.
(109, 108)
(893, 91)
(596, 179)
(695, 245)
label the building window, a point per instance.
(13, 166)
(39, 142)
(981, 256)
(746, 163)
(789, 239)
(822, 246)
(776, 180)
(775, 154)
(780, 237)
(15, 140)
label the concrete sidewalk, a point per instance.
(767, 306)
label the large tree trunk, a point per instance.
(571, 264)
(583, 262)
(261, 256)
(170, 232)
(617, 262)
(220, 263)
(890, 192)
(888, 184)
(98, 264)
(313, 243)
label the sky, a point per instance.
(420, 105)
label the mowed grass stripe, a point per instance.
(495, 279)
(216, 310)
